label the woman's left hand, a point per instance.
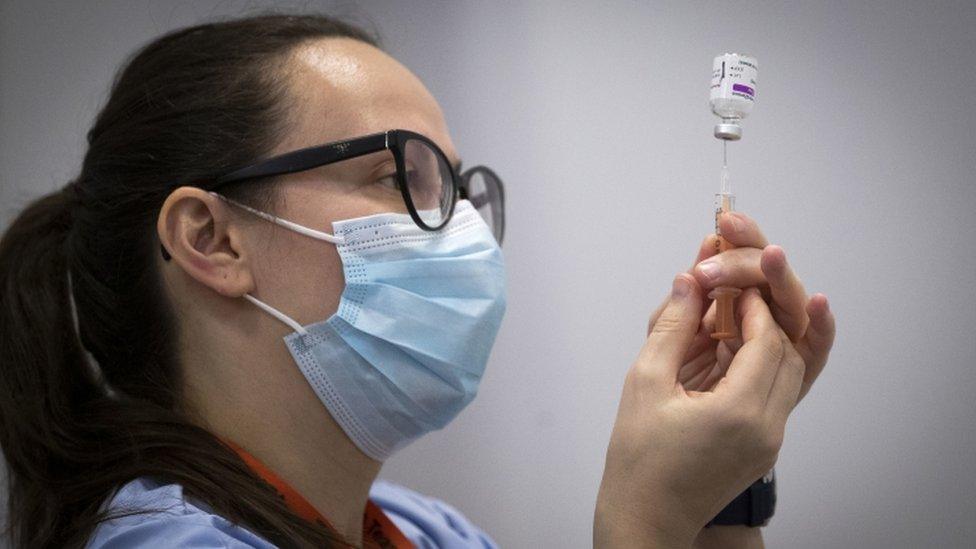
(808, 322)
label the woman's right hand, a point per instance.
(676, 456)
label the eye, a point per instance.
(413, 176)
(389, 181)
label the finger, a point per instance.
(723, 357)
(733, 344)
(662, 355)
(785, 392)
(702, 342)
(741, 230)
(708, 319)
(753, 368)
(693, 372)
(706, 249)
(743, 267)
(738, 268)
(657, 313)
(789, 297)
(815, 346)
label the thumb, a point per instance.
(705, 250)
(661, 357)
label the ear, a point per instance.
(196, 230)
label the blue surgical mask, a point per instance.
(407, 348)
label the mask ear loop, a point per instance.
(301, 229)
(94, 368)
(277, 314)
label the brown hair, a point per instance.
(187, 107)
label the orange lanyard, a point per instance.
(379, 532)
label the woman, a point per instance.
(269, 276)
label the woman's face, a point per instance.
(339, 89)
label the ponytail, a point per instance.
(43, 380)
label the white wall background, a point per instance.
(859, 160)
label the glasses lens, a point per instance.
(430, 185)
(486, 195)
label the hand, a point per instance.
(677, 456)
(754, 262)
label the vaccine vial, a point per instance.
(733, 92)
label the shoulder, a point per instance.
(427, 521)
(144, 512)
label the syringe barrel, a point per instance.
(724, 296)
(724, 203)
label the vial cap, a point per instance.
(729, 132)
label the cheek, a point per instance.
(301, 276)
(322, 283)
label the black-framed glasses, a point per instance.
(483, 188)
(428, 183)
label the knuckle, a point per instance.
(636, 375)
(796, 362)
(741, 419)
(792, 360)
(668, 323)
(640, 376)
(772, 346)
(803, 325)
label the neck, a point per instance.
(283, 425)
(334, 478)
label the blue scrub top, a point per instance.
(179, 522)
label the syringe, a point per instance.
(732, 95)
(724, 296)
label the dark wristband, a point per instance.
(753, 507)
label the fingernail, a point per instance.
(777, 270)
(680, 288)
(710, 269)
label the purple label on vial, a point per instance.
(744, 89)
